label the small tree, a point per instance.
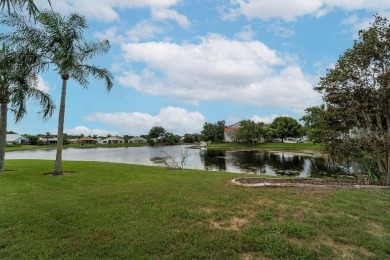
(285, 126)
(315, 123)
(157, 131)
(189, 138)
(213, 132)
(249, 131)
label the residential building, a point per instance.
(113, 140)
(49, 140)
(16, 139)
(229, 133)
(138, 140)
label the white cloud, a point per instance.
(78, 130)
(264, 119)
(281, 31)
(105, 9)
(43, 85)
(111, 35)
(143, 30)
(168, 14)
(263, 9)
(219, 69)
(174, 119)
(246, 34)
(290, 10)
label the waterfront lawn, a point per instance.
(10, 148)
(104, 210)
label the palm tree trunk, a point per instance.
(60, 134)
(3, 133)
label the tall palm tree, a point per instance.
(59, 42)
(17, 84)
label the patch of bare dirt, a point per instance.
(300, 182)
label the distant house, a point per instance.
(50, 140)
(87, 140)
(138, 140)
(16, 139)
(229, 133)
(74, 141)
(113, 140)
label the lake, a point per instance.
(257, 162)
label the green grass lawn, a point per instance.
(104, 210)
(10, 148)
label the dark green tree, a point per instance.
(59, 42)
(249, 131)
(356, 93)
(32, 139)
(315, 123)
(213, 132)
(189, 138)
(285, 126)
(157, 131)
(171, 138)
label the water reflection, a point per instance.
(257, 162)
(264, 162)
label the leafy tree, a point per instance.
(356, 93)
(189, 138)
(171, 138)
(285, 126)
(33, 139)
(18, 83)
(249, 131)
(213, 132)
(315, 123)
(59, 41)
(157, 131)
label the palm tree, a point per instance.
(17, 84)
(47, 135)
(18, 5)
(59, 41)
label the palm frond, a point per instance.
(99, 73)
(92, 49)
(45, 102)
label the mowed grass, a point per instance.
(104, 210)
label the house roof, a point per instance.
(14, 137)
(232, 127)
(113, 138)
(87, 138)
(137, 138)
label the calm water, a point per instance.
(257, 162)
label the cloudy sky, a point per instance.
(181, 63)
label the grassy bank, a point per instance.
(103, 210)
(11, 148)
(268, 146)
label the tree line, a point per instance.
(249, 131)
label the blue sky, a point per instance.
(178, 64)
